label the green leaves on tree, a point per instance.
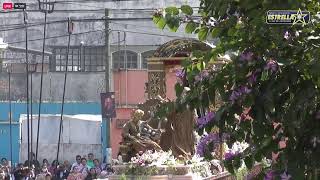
(191, 27)
(178, 89)
(172, 22)
(159, 21)
(203, 33)
(187, 10)
(249, 161)
(172, 10)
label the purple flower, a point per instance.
(237, 93)
(246, 56)
(197, 78)
(272, 65)
(285, 176)
(202, 121)
(229, 155)
(180, 73)
(269, 175)
(244, 90)
(204, 141)
(286, 35)
(252, 78)
(234, 96)
(201, 76)
(205, 73)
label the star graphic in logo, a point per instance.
(299, 18)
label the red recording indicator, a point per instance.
(7, 5)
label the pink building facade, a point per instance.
(129, 88)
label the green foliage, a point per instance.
(284, 89)
(191, 27)
(123, 177)
(203, 33)
(172, 10)
(187, 9)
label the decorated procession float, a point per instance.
(160, 141)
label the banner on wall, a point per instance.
(108, 105)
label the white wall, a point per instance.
(81, 135)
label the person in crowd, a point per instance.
(33, 172)
(84, 168)
(4, 162)
(107, 171)
(34, 162)
(2, 174)
(6, 167)
(53, 167)
(18, 172)
(79, 171)
(27, 173)
(44, 173)
(92, 174)
(48, 177)
(45, 162)
(67, 165)
(97, 166)
(77, 163)
(7, 172)
(90, 163)
(61, 173)
(74, 174)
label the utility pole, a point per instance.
(10, 111)
(44, 7)
(25, 19)
(107, 60)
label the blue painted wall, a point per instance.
(18, 108)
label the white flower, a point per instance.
(286, 35)
(313, 37)
(186, 89)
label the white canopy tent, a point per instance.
(81, 135)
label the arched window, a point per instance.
(119, 60)
(144, 56)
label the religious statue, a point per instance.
(138, 136)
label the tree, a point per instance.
(270, 89)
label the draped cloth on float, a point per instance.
(179, 135)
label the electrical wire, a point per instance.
(77, 20)
(79, 2)
(54, 37)
(98, 30)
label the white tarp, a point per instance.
(81, 134)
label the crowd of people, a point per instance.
(82, 169)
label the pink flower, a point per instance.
(282, 144)
(275, 156)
